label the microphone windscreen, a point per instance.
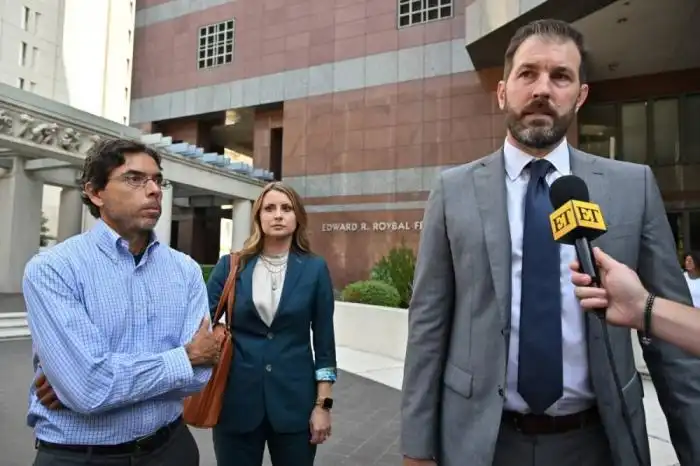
(568, 188)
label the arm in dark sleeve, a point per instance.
(322, 327)
(87, 377)
(216, 282)
(676, 374)
(429, 317)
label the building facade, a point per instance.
(76, 52)
(360, 103)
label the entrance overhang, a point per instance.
(54, 139)
(624, 38)
(491, 23)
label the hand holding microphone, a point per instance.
(621, 292)
(577, 221)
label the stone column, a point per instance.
(164, 225)
(20, 224)
(242, 223)
(70, 214)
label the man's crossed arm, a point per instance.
(79, 371)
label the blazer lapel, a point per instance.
(489, 180)
(246, 280)
(585, 167)
(295, 268)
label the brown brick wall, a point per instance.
(265, 120)
(437, 121)
(350, 255)
(275, 35)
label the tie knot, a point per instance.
(539, 168)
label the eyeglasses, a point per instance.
(138, 180)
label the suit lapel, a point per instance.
(246, 280)
(584, 166)
(489, 181)
(295, 268)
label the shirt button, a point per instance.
(268, 368)
(501, 393)
(270, 336)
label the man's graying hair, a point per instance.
(548, 28)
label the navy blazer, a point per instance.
(273, 369)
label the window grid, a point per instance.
(215, 44)
(687, 109)
(413, 12)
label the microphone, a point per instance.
(576, 221)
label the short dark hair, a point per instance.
(695, 255)
(552, 28)
(103, 159)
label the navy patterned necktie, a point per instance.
(540, 371)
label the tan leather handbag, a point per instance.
(203, 409)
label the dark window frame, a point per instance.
(683, 126)
(215, 44)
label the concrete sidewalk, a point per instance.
(390, 372)
(366, 421)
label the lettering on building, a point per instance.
(387, 227)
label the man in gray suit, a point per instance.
(502, 367)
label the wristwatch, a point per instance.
(325, 403)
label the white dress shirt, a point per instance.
(694, 287)
(268, 281)
(578, 394)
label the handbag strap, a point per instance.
(228, 294)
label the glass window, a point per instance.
(675, 219)
(216, 44)
(597, 133)
(666, 137)
(690, 140)
(423, 11)
(634, 132)
(694, 229)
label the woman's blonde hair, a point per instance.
(300, 239)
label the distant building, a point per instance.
(359, 103)
(76, 52)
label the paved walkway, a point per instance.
(390, 372)
(365, 421)
(11, 302)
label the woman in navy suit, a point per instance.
(278, 391)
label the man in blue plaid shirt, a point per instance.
(119, 325)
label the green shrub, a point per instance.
(206, 271)
(372, 292)
(397, 269)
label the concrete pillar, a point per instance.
(70, 214)
(88, 220)
(20, 225)
(242, 223)
(164, 224)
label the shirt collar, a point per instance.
(112, 243)
(516, 160)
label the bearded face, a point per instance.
(542, 92)
(538, 125)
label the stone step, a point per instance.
(13, 325)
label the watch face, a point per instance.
(327, 403)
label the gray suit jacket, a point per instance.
(459, 318)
